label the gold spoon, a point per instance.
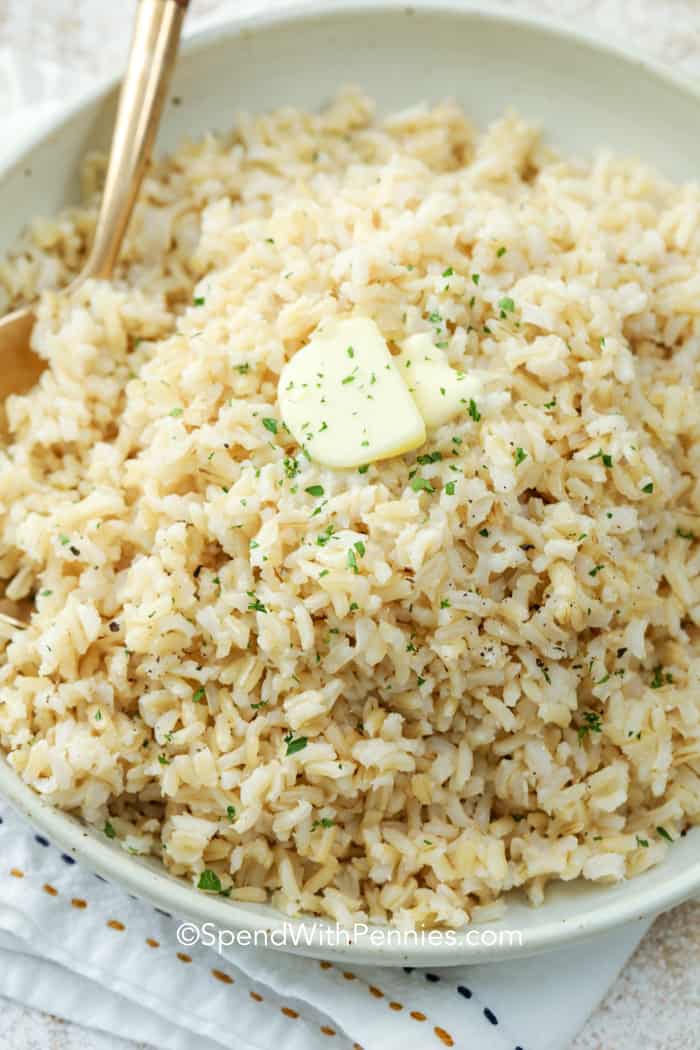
(154, 47)
(152, 57)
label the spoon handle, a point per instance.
(152, 56)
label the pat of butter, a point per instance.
(439, 391)
(344, 400)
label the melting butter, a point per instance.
(343, 397)
(440, 392)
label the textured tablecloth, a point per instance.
(656, 1002)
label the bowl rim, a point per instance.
(180, 897)
(214, 29)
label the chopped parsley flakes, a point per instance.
(295, 745)
(209, 881)
(604, 456)
(661, 678)
(325, 536)
(684, 534)
(591, 724)
(255, 605)
(291, 467)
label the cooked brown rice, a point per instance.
(507, 690)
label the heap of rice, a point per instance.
(504, 689)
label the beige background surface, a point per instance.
(655, 1004)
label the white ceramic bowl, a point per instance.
(586, 95)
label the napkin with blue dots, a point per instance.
(79, 947)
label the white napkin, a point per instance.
(79, 947)
(75, 946)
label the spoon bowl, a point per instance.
(154, 47)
